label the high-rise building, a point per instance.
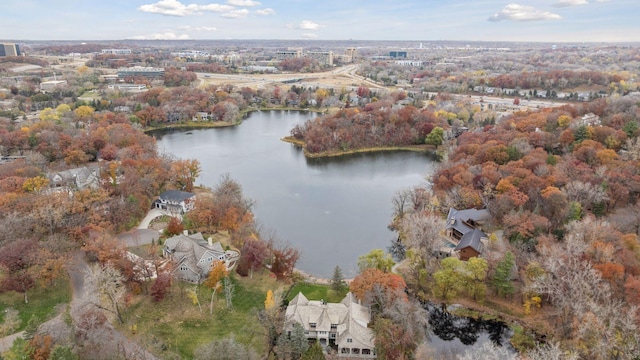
(9, 50)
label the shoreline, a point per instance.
(315, 279)
(336, 153)
(208, 124)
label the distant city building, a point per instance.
(398, 54)
(116, 51)
(52, 85)
(149, 72)
(323, 57)
(289, 53)
(9, 50)
(409, 63)
(127, 87)
(350, 54)
(190, 54)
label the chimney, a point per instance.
(210, 241)
(185, 232)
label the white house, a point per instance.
(342, 325)
(176, 201)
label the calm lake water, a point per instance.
(333, 210)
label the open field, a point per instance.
(177, 325)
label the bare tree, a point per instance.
(488, 351)
(551, 351)
(225, 349)
(422, 232)
(105, 288)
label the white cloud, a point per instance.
(176, 8)
(309, 25)
(516, 12)
(235, 14)
(309, 36)
(168, 35)
(198, 28)
(243, 2)
(267, 11)
(564, 3)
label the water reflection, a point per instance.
(456, 334)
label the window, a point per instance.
(184, 268)
(313, 325)
(334, 326)
(366, 352)
(349, 340)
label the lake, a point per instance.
(333, 210)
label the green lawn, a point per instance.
(178, 326)
(42, 302)
(316, 292)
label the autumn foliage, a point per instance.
(373, 126)
(370, 278)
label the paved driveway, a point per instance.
(138, 237)
(152, 214)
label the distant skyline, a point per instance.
(482, 20)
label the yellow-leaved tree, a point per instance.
(217, 273)
(269, 303)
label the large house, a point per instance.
(342, 325)
(76, 179)
(194, 256)
(176, 201)
(464, 230)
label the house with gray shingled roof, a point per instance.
(342, 325)
(84, 177)
(194, 256)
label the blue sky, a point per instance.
(482, 20)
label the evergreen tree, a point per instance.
(314, 353)
(292, 344)
(337, 281)
(60, 352)
(20, 350)
(502, 276)
(31, 328)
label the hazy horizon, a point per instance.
(553, 21)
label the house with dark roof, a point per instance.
(464, 229)
(193, 256)
(176, 201)
(471, 244)
(342, 325)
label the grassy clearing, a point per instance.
(180, 327)
(316, 292)
(42, 302)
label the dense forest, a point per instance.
(563, 194)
